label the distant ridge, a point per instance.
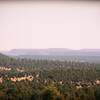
(62, 54)
(90, 50)
(53, 51)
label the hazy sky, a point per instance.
(71, 25)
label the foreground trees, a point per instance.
(25, 91)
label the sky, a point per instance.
(73, 25)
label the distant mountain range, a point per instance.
(83, 55)
(53, 52)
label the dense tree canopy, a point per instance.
(26, 79)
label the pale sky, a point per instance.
(73, 25)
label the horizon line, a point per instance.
(48, 48)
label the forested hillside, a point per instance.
(27, 79)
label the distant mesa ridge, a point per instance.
(53, 52)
